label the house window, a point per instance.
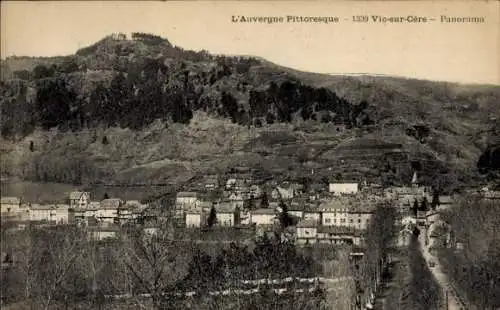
(359, 220)
(335, 220)
(342, 220)
(328, 220)
(350, 221)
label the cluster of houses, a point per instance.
(105, 215)
(334, 213)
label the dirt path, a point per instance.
(453, 300)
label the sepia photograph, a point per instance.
(243, 155)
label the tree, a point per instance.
(249, 203)
(264, 201)
(435, 200)
(379, 239)
(200, 272)
(284, 218)
(105, 140)
(415, 207)
(270, 118)
(424, 206)
(42, 71)
(53, 102)
(212, 217)
(106, 196)
(152, 260)
(69, 65)
(51, 261)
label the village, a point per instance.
(333, 213)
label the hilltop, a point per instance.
(141, 110)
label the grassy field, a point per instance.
(38, 192)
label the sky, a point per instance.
(466, 53)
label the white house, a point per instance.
(334, 213)
(186, 198)
(58, 214)
(226, 214)
(79, 199)
(296, 212)
(339, 235)
(94, 205)
(10, 205)
(312, 215)
(307, 231)
(193, 218)
(108, 212)
(81, 215)
(185, 201)
(286, 191)
(359, 216)
(262, 216)
(343, 188)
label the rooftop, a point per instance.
(263, 211)
(111, 203)
(334, 204)
(225, 207)
(10, 200)
(349, 182)
(338, 230)
(49, 207)
(308, 224)
(445, 199)
(77, 195)
(187, 194)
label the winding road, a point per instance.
(453, 301)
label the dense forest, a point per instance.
(142, 88)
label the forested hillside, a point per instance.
(173, 102)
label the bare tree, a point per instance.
(154, 261)
(49, 261)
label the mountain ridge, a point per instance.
(175, 97)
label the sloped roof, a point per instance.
(263, 211)
(290, 186)
(307, 224)
(49, 207)
(94, 205)
(445, 199)
(10, 200)
(187, 194)
(225, 207)
(337, 230)
(342, 184)
(362, 208)
(334, 204)
(76, 195)
(111, 203)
